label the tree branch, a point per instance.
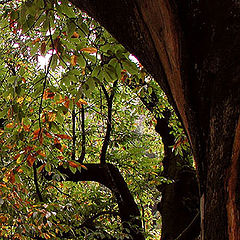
(110, 177)
(74, 133)
(36, 183)
(109, 122)
(83, 135)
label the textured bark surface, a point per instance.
(192, 49)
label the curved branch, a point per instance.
(109, 176)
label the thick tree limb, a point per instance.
(109, 176)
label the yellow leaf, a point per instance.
(80, 102)
(20, 100)
(73, 60)
(29, 99)
(5, 179)
(18, 160)
(89, 50)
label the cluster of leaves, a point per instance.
(54, 113)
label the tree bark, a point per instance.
(192, 49)
(179, 206)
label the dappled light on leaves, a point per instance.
(83, 106)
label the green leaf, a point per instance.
(91, 84)
(12, 79)
(130, 67)
(48, 167)
(73, 170)
(81, 62)
(67, 10)
(59, 117)
(3, 113)
(70, 28)
(96, 71)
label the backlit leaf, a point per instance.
(89, 50)
(73, 164)
(73, 60)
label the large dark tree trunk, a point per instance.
(192, 48)
(179, 206)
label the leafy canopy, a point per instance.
(57, 114)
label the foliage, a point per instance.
(57, 115)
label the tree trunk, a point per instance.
(192, 49)
(179, 206)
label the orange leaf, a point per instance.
(66, 104)
(63, 136)
(30, 160)
(36, 40)
(12, 177)
(26, 128)
(48, 94)
(73, 164)
(80, 102)
(9, 125)
(73, 60)
(75, 35)
(43, 48)
(38, 134)
(41, 168)
(17, 156)
(19, 170)
(48, 134)
(83, 166)
(89, 50)
(39, 152)
(51, 116)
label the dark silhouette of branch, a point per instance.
(36, 183)
(109, 176)
(83, 135)
(91, 219)
(74, 137)
(109, 121)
